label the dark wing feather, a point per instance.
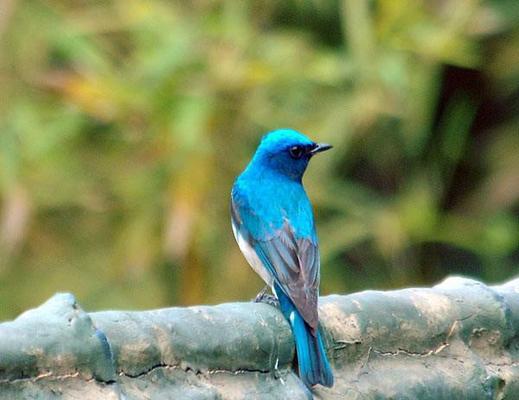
(294, 263)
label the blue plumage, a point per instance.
(273, 224)
(313, 365)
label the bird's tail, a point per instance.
(314, 367)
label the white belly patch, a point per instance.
(251, 257)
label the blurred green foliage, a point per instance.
(124, 123)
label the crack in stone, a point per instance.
(76, 374)
(148, 371)
(412, 353)
(342, 343)
(41, 376)
(197, 372)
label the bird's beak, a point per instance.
(320, 147)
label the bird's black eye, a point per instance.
(296, 152)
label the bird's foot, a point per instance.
(260, 295)
(264, 297)
(269, 299)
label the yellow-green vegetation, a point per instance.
(123, 124)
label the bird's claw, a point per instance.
(260, 295)
(264, 297)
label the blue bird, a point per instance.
(273, 223)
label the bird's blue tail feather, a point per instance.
(314, 367)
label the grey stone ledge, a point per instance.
(457, 340)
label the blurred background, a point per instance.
(123, 124)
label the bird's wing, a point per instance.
(293, 262)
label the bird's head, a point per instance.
(287, 152)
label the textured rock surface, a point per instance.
(458, 340)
